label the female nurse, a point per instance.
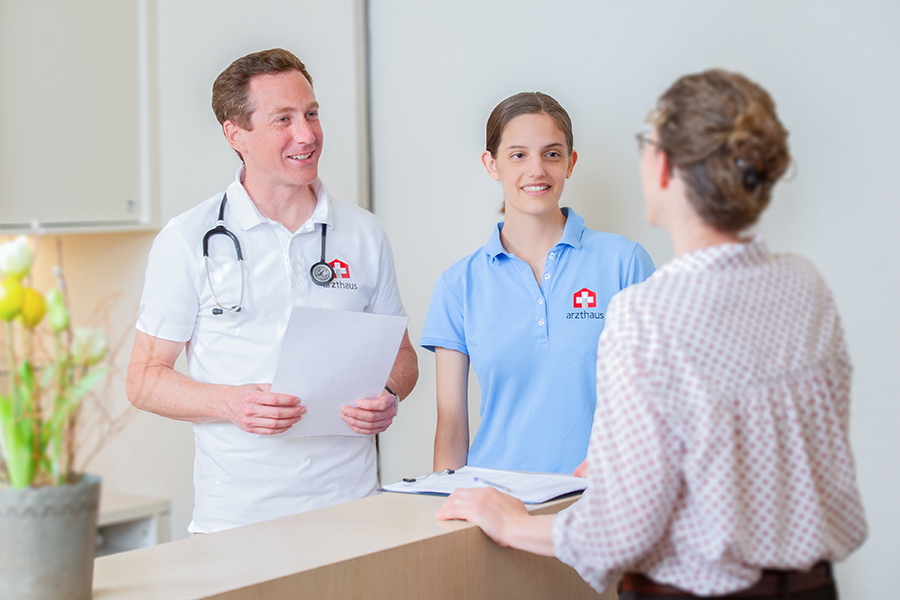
(719, 462)
(526, 310)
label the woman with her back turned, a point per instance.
(719, 463)
(526, 309)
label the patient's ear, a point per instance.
(665, 171)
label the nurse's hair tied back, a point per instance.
(526, 103)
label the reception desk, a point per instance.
(385, 546)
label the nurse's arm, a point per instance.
(154, 385)
(451, 440)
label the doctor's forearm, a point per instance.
(167, 393)
(153, 384)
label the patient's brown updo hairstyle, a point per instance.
(721, 132)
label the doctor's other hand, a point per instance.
(370, 416)
(256, 409)
(497, 514)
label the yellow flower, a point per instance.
(33, 308)
(16, 258)
(12, 294)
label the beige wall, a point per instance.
(438, 69)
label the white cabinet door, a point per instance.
(74, 114)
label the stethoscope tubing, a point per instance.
(321, 273)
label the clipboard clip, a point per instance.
(415, 479)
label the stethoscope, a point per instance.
(321, 273)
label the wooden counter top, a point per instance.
(384, 546)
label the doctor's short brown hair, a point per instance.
(230, 97)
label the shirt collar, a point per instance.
(247, 215)
(571, 234)
(722, 257)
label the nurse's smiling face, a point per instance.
(532, 164)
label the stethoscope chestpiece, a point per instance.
(322, 273)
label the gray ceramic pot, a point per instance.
(47, 541)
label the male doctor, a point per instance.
(232, 317)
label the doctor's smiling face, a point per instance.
(532, 161)
(283, 144)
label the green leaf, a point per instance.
(67, 404)
(17, 439)
(86, 384)
(26, 375)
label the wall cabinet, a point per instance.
(76, 147)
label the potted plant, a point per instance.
(48, 511)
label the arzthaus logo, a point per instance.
(341, 276)
(582, 299)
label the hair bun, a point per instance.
(722, 133)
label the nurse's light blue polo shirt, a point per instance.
(534, 349)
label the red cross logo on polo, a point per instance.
(585, 298)
(341, 269)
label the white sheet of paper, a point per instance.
(332, 358)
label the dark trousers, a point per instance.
(824, 593)
(815, 584)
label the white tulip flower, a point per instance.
(16, 258)
(88, 346)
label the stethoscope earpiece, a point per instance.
(220, 229)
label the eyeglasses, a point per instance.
(643, 140)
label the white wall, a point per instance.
(437, 69)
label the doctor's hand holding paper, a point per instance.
(256, 409)
(372, 415)
(222, 282)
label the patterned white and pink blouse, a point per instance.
(720, 443)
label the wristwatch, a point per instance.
(396, 400)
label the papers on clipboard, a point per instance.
(332, 358)
(530, 488)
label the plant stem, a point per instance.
(11, 361)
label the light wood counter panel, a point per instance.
(385, 546)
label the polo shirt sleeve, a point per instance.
(641, 266)
(445, 323)
(386, 299)
(170, 299)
